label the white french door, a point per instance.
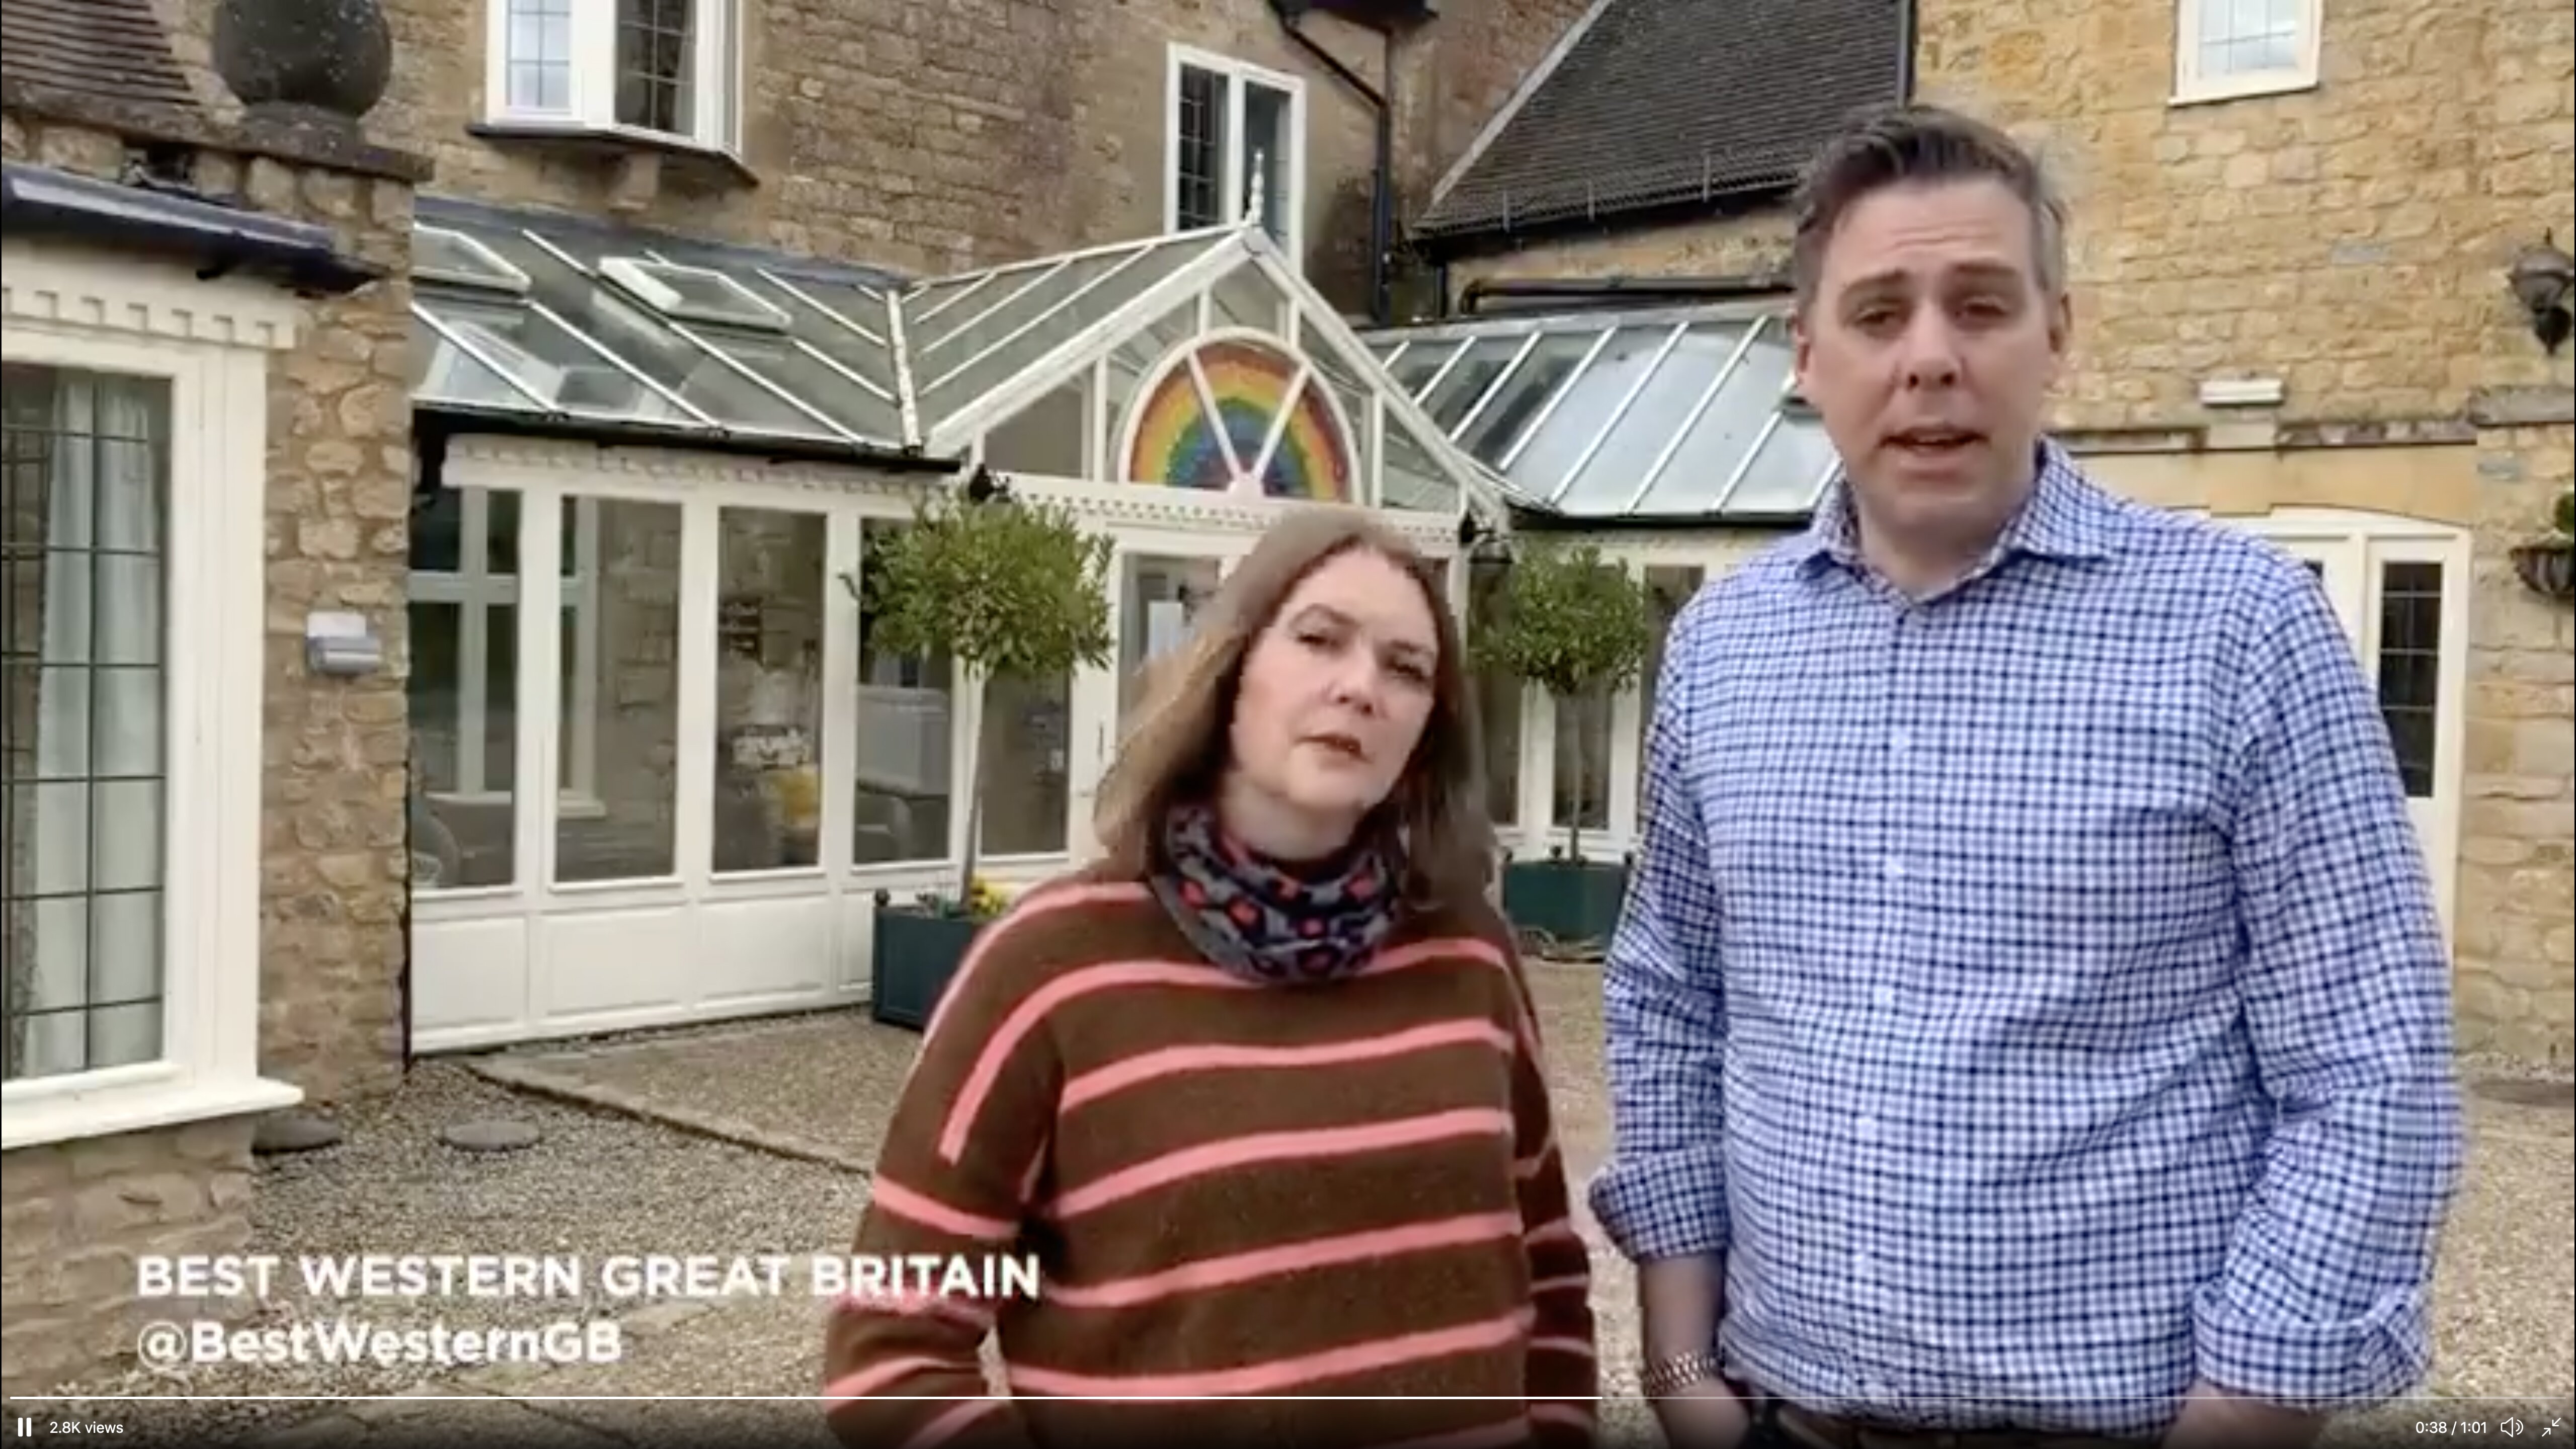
(2403, 597)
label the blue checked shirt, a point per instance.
(2034, 992)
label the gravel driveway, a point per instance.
(752, 1139)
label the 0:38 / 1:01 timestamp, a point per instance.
(2452, 1426)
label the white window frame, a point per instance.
(716, 77)
(1236, 73)
(88, 312)
(475, 589)
(2191, 87)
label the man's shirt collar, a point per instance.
(2066, 517)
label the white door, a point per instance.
(2403, 600)
(1158, 586)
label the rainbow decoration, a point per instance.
(1177, 444)
(1311, 461)
(1174, 443)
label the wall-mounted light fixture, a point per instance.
(2544, 282)
(2547, 565)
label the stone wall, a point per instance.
(2517, 907)
(339, 492)
(2518, 832)
(1752, 244)
(933, 137)
(334, 866)
(76, 1215)
(333, 862)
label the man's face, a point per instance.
(1929, 350)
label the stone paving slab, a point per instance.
(815, 1087)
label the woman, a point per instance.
(1260, 1089)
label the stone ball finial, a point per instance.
(323, 62)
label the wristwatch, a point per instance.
(1670, 1376)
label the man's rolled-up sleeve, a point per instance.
(2347, 1001)
(1662, 1194)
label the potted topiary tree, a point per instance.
(2547, 566)
(1006, 588)
(1573, 623)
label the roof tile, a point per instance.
(112, 50)
(1665, 101)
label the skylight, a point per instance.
(693, 294)
(582, 322)
(440, 255)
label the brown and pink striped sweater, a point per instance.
(1260, 1205)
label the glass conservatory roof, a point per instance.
(1668, 415)
(566, 321)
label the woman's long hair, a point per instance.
(1179, 743)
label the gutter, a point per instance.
(434, 424)
(1623, 289)
(219, 238)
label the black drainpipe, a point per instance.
(1908, 19)
(1382, 178)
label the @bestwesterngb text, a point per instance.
(328, 1337)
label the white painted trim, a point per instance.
(1476, 483)
(676, 475)
(1230, 182)
(1246, 483)
(475, 591)
(2437, 815)
(1535, 828)
(86, 310)
(105, 1111)
(78, 291)
(717, 80)
(2192, 88)
(2242, 392)
(966, 426)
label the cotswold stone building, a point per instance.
(2296, 234)
(490, 670)
(207, 449)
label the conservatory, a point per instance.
(1670, 438)
(664, 779)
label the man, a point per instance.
(2030, 1013)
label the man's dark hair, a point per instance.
(1920, 145)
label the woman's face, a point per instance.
(1336, 692)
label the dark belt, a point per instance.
(1807, 1429)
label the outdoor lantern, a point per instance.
(2543, 277)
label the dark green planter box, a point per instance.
(916, 954)
(1571, 904)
